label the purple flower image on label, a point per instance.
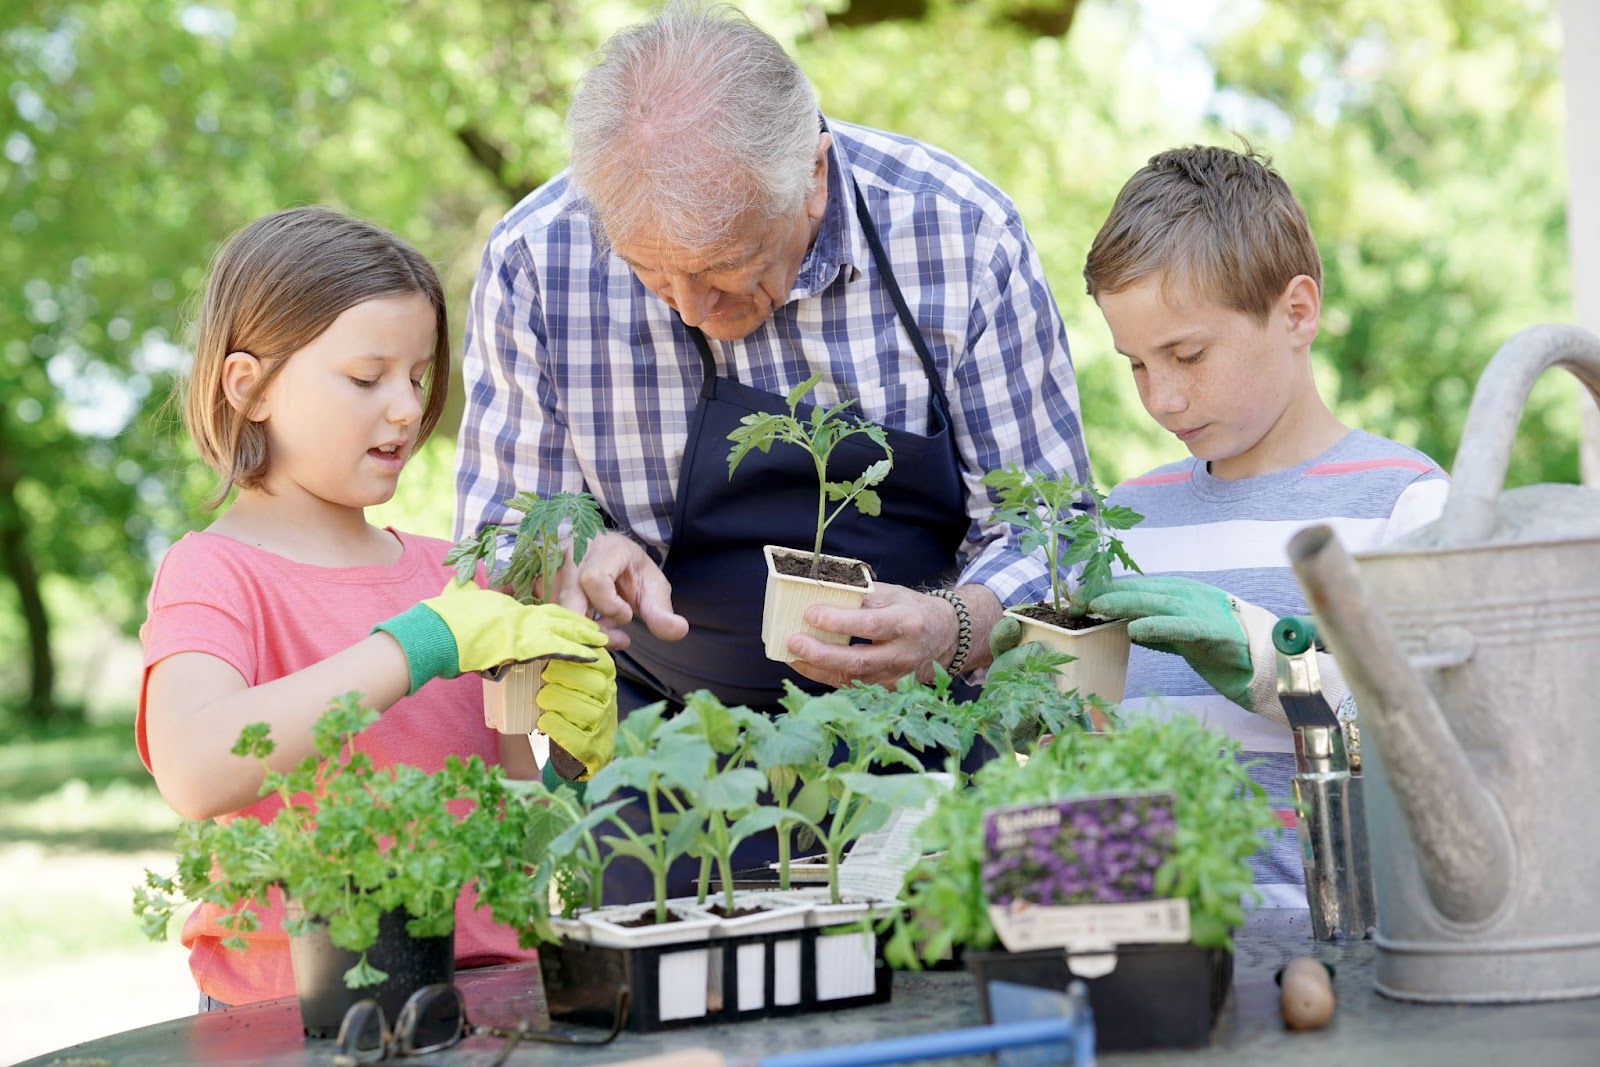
(1085, 850)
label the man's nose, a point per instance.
(693, 298)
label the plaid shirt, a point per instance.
(579, 379)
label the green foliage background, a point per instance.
(1424, 139)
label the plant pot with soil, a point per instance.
(370, 860)
(1071, 524)
(540, 543)
(1121, 859)
(796, 579)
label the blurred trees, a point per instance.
(1423, 137)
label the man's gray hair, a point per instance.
(688, 122)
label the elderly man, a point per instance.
(715, 242)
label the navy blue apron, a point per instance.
(719, 525)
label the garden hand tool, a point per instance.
(468, 628)
(1328, 800)
(1066, 1036)
(1208, 627)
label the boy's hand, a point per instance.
(466, 628)
(1191, 619)
(578, 710)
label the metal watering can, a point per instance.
(1473, 648)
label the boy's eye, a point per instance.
(1192, 358)
(1135, 366)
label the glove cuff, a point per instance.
(552, 780)
(429, 646)
(1257, 624)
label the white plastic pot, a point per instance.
(788, 596)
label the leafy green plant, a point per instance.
(373, 840)
(1220, 813)
(1047, 509)
(818, 435)
(846, 799)
(665, 766)
(538, 543)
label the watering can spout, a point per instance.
(1462, 840)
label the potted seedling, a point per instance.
(798, 579)
(1176, 792)
(1050, 512)
(538, 548)
(368, 861)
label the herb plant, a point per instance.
(1219, 814)
(818, 435)
(1047, 509)
(538, 545)
(373, 840)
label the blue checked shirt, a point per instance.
(576, 381)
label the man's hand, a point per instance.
(908, 631)
(618, 581)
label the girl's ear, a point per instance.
(240, 373)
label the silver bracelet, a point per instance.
(963, 627)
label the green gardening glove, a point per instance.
(467, 628)
(1191, 619)
(578, 712)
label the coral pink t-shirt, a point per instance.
(268, 617)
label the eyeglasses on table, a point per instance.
(434, 1018)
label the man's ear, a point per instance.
(817, 202)
(241, 373)
(1302, 306)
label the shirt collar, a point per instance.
(839, 244)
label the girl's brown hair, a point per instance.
(273, 288)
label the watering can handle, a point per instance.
(1497, 402)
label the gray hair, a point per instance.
(688, 122)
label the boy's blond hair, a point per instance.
(273, 288)
(1221, 221)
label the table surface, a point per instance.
(1367, 1031)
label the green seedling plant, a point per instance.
(538, 543)
(818, 435)
(1219, 810)
(789, 750)
(1048, 510)
(858, 800)
(373, 840)
(665, 766)
(1020, 704)
(725, 806)
(562, 846)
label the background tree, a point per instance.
(1424, 138)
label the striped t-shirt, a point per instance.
(1234, 535)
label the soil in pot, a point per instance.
(647, 919)
(830, 569)
(1047, 614)
(320, 965)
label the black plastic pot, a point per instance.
(1159, 996)
(319, 967)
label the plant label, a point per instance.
(1080, 874)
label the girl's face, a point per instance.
(342, 415)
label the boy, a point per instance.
(1208, 276)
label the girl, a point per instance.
(321, 362)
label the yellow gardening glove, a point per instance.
(466, 628)
(578, 709)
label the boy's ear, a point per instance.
(1302, 307)
(241, 372)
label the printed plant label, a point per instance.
(1080, 873)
